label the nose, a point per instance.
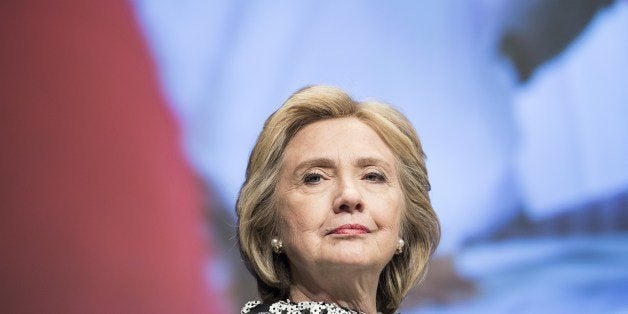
(348, 198)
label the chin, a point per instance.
(352, 258)
(355, 253)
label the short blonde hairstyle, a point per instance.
(258, 217)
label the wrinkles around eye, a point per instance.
(376, 176)
(312, 178)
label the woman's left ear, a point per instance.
(400, 245)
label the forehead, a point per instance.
(334, 138)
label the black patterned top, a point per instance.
(289, 307)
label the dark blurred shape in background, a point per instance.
(538, 30)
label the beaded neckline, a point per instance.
(307, 307)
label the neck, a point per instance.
(353, 291)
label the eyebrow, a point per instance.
(329, 163)
(371, 161)
(316, 162)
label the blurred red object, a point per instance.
(99, 212)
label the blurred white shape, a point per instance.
(574, 120)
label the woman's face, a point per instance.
(339, 197)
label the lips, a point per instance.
(351, 229)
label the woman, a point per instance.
(334, 215)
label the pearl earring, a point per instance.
(277, 245)
(400, 245)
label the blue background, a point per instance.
(529, 176)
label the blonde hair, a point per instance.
(257, 217)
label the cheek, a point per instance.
(391, 203)
(390, 214)
(301, 213)
(390, 218)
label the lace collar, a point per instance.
(289, 307)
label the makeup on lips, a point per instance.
(350, 229)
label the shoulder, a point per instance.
(254, 307)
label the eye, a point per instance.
(312, 178)
(375, 177)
